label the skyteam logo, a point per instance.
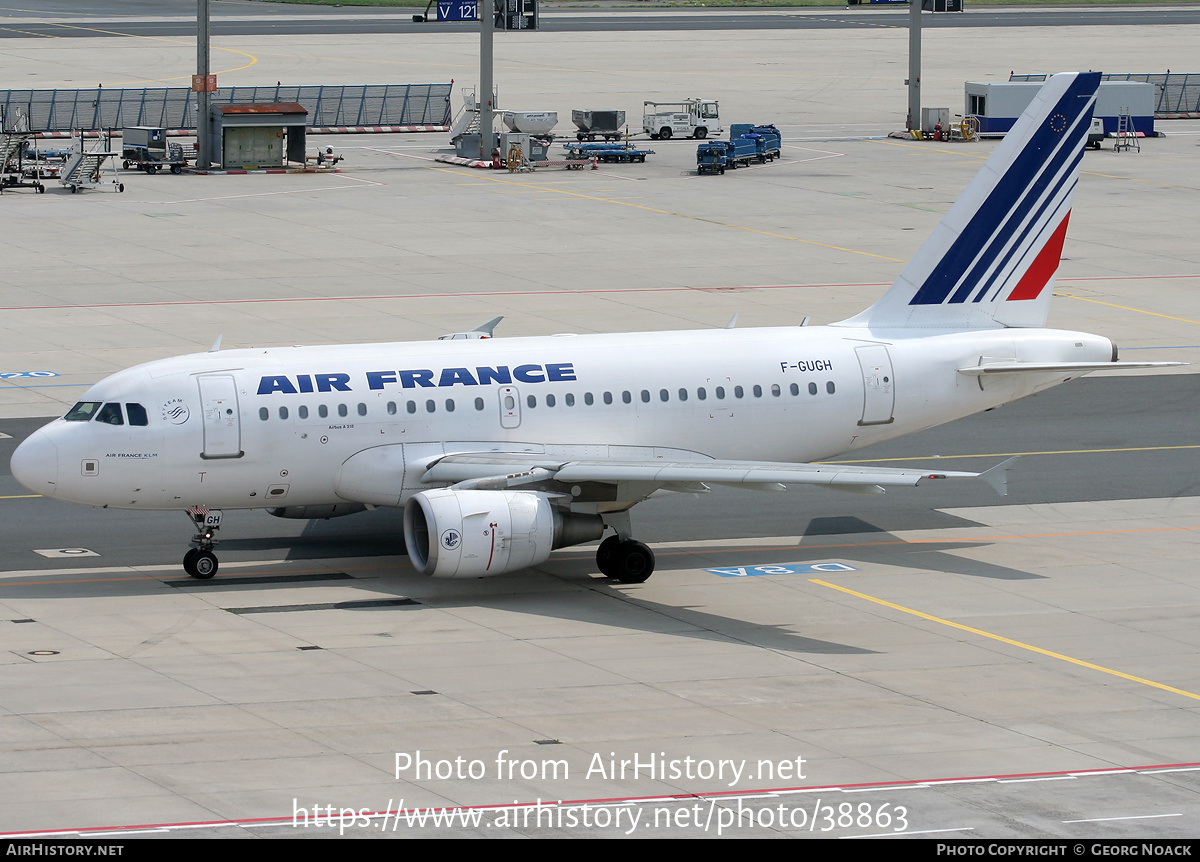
(175, 411)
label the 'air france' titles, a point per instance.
(413, 378)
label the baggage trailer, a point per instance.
(146, 148)
(766, 138)
(607, 152)
(690, 118)
(598, 124)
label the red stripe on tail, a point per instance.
(1044, 265)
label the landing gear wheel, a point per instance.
(634, 562)
(204, 565)
(606, 556)
(189, 562)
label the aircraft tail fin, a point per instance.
(991, 261)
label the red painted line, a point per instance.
(564, 292)
(673, 797)
(620, 290)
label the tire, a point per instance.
(204, 565)
(176, 169)
(665, 133)
(121, 188)
(634, 562)
(606, 556)
(700, 133)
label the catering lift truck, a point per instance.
(690, 118)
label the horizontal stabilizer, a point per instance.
(1060, 367)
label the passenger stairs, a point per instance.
(1127, 136)
(83, 169)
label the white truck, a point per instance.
(690, 118)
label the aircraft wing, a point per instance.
(511, 470)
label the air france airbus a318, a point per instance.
(501, 450)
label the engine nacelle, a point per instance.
(476, 534)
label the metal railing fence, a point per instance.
(175, 107)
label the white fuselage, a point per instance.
(273, 427)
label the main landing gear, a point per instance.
(625, 560)
(200, 562)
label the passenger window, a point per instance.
(302, 411)
(627, 397)
(323, 411)
(645, 396)
(342, 411)
(283, 413)
(775, 390)
(411, 406)
(701, 394)
(588, 399)
(264, 414)
(362, 409)
(608, 398)
(795, 389)
(550, 401)
(829, 387)
(137, 414)
(110, 414)
(82, 412)
(683, 395)
(430, 406)
(391, 408)
(720, 393)
(663, 395)
(812, 389)
(479, 403)
(570, 399)
(449, 405)
(738, 392)
(757, 391)
(531, 400)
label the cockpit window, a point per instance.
(82, 412)
(110, 413)
(137, 414)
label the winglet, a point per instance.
(489, 327)
(997, 476)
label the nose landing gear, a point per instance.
(200, 562)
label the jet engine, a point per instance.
(476, 534)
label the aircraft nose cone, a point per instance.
(35, 463)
